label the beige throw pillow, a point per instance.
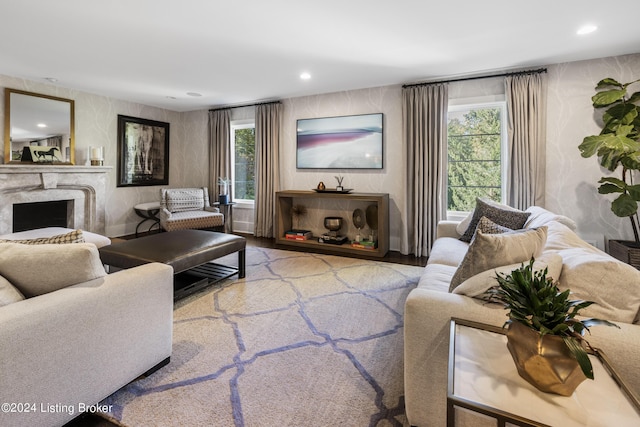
(595, 276)
(39, 269)
(488, 251)
(8, 293)
(477, 285)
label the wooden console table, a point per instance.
(286, 199)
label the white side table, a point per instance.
(483, 379)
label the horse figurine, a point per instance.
(44, 154)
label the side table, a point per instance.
(148, 212)
(483, 379)
(227, 211)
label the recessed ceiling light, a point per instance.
(305, 76)
(586, 29)
(41, 125)
(194, 94)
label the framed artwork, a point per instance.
(345, 142)
(143, 152)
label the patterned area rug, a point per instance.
(303, 340)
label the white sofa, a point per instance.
(71, 334)
(590, 273)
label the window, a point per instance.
(476, 137)
(243, 149)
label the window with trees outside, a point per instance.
(243, 149)
(476, 141)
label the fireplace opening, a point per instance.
(29, 216)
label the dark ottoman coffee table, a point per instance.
(189, 252)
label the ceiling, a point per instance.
(156, 52)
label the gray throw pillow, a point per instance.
(489, 227)
(503, 215)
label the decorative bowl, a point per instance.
(333, 223)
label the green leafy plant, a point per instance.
(534, 300)
(618, 145)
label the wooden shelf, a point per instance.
(286, 199)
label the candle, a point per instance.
(96, 153)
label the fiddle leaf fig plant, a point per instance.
(618, 146)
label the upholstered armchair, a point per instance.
(182, 208)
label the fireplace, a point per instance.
(55, 213)
(79, 190)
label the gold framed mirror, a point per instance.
(42, 124)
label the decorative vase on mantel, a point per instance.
(544, 361)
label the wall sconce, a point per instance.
(97, 156)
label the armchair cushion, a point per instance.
(39, 269)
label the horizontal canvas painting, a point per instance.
(346, 142)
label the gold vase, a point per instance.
(545, 362)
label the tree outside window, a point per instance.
(244, 143)
(474, 156)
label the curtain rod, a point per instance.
(246, 105)
(462, 79)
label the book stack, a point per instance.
(368, 245)
(298, 235)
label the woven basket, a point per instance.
(626, 251)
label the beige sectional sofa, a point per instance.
(70, 334)
(590, 273)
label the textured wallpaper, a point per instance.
(572, 181)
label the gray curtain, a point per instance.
(268, 119)
(219, 150)
(424, 116)
(527, 128)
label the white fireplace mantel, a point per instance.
(26, 183)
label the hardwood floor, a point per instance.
(264, 242)
(392, 256)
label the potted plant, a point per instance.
(545, 338)
(618, 147)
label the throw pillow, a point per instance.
(477, 285)
(464, 224)
(595, 276)
(489, 251)
(8, 293)
(503, 215)
(186, 199)
(540, 216)
(489, 227)
(39, 269)
(74, 236)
